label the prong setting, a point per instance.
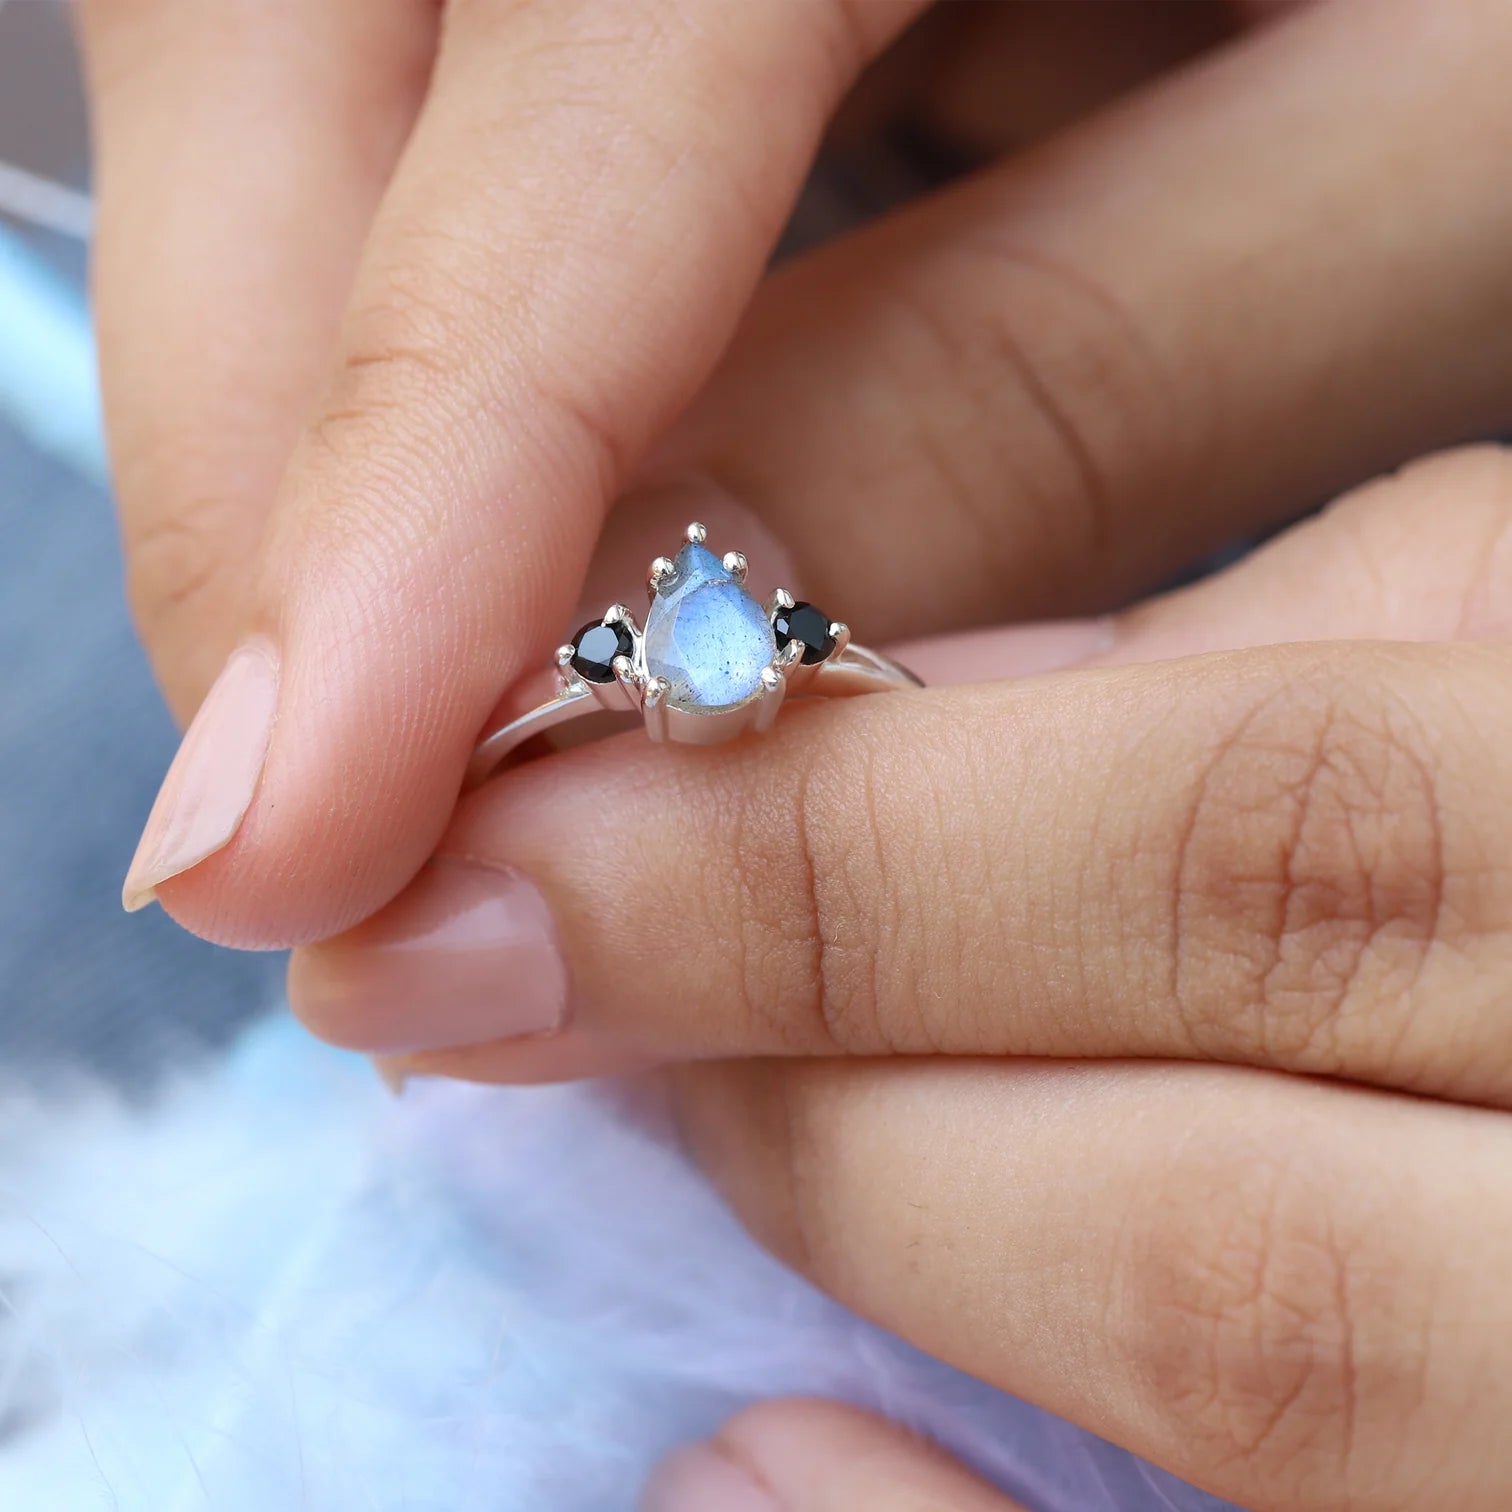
(614, 659)
(654, 705)
(661, 570)
(804, 623)
(770, 698)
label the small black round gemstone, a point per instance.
(594, 648)
(805, 623)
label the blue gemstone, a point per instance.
(706, 635)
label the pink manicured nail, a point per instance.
(467, 954)
(209, 787)
(699, 1479)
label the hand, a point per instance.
(1132, 1037)
(395, 297)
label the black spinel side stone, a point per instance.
(594, 648)
(805, 623)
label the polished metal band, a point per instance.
(854, 671)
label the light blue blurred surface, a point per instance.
(47, 388)
(84, 738)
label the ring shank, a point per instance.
(857, 670)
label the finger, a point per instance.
(1220, 300)
(1423, 554)
(1309, 878)
(970, 82)
(584, 206)
(1286, 1291)
(239, 155)
(814, 1456)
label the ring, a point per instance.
(711, 664)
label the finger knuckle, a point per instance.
(394, 372)
(431, 373)
(425, 349)
(751, 1127)
(175, 561)
(843, 945)
(755, 903)
(1067, 360)
(840, 888)
(797, 1173)
(1254, 1307)
(1310, 879)
(893, 895)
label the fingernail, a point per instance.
(209, 787)
(700, 1479)
(466, 954)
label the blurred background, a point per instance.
(84, 738)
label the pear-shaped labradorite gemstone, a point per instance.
(706, 635)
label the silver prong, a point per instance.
(789, 657)
(773, 689)
(840, 634)
(615, 613)
(661, 569)
(696, 534)
(624, 672)
(654, 703)
(780, 598)
(564, 655)
(735, 565)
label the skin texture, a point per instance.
(1120, 384)
(1128, 1033)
